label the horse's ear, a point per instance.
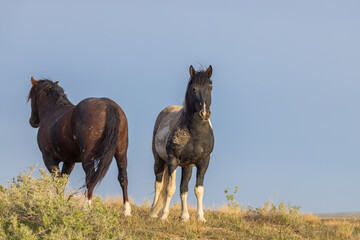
(33, 81)
(209, 71)
(192, 71)
(56, 82)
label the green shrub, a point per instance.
(40, 208)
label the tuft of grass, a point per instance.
(40, 208)
(232, 204)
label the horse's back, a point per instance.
(165, 123)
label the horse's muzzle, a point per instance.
(34, 124)
(205, 115)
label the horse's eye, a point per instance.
(194, 89)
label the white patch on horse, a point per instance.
(210, 124)
(199, 192)
(166, 126)
(161, 140)
(127, 209)
(169, 194)
(158, 186)
(184, 216)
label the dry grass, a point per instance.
(267, 222)
(30, 208)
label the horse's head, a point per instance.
(41, 87)
(34, 118)
(198, 94)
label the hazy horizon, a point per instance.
(286, 89)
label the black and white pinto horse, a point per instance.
(183, 136)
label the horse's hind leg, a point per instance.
(86, 164)
(159, 167)
(121, 161)
(171, 187)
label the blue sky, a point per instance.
(286, 89)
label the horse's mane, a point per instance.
(200, 79)
(47, 88)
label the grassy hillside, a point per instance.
(38, 208)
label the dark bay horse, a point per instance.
(183, 136)
(92, 132)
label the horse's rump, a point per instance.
(96, 123)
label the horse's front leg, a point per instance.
(171, 187)
(67, 168)
(185, 178)
(199, 187)
(52, 165)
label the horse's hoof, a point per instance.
(184, 217)
(164, 217)
(154, 215)
(201, 219)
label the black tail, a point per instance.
(104, 149)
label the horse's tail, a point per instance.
(104, 150)
(159, 203)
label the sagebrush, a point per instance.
(43, 208)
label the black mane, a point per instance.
(48, 89)
(200, 79)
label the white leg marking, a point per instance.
(158, 186)
(88, 202)
(184, 211)
(199, 192)
(169, 194)
(127, 209)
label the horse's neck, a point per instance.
(193, 122)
